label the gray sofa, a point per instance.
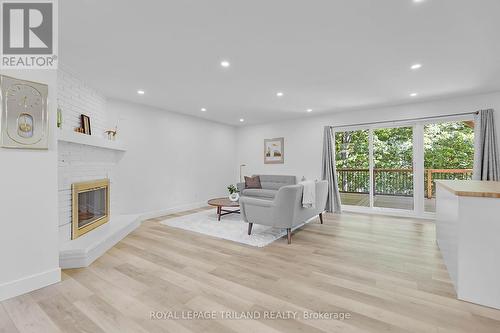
(270, 186)
(285, 210)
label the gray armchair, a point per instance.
(286, 210)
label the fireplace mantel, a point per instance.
(90, 140)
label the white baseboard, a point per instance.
(29, 283)
(172, 210)
(388, 212)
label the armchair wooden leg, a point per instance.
(321, 218)
(289, 235)
(250, 225)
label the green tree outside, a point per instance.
(446, 146)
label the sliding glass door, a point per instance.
(448, 154)
(353, 167)
(375, 167)
(392, 168)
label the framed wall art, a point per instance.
(274, 151)
(86, 124)
(24, 119)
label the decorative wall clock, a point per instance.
(24, 121)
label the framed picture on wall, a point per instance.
(86, 124)
(274, 151)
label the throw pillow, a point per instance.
(252, 182)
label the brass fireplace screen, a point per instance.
(90, 207)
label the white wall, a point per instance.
(173, 161)
(304, 137)
(29, 253)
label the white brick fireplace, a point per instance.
(85, 158)
(78, 162)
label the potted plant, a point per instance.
(233, 193)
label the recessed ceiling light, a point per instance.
(309, 110)
(279, 94)
(225, 63)
(203, 109)
(141, 92)
(416, 66)
(242, 120)
(413, 95)
(418, 1)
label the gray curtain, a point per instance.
(329, 172)
(486, 159)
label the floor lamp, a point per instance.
(241, 167)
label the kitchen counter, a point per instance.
(472, 188)
(468, 236)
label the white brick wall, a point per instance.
(75, 98)
(77, 162)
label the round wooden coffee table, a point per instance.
(221, 203)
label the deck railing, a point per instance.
(434, 174)
(397, 182)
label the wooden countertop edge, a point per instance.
(462, 193)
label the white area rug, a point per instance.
(230, 227)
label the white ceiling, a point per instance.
(326, 55)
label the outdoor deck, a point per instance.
(392, 188)
(387, 201)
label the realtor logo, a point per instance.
(29, 38)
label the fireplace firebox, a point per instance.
(90, 206)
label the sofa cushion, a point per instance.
(259, 193)
(252, 182)
(275, 182)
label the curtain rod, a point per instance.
(408, 119)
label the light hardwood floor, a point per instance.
(386, 272)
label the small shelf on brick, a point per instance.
(89, 140)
